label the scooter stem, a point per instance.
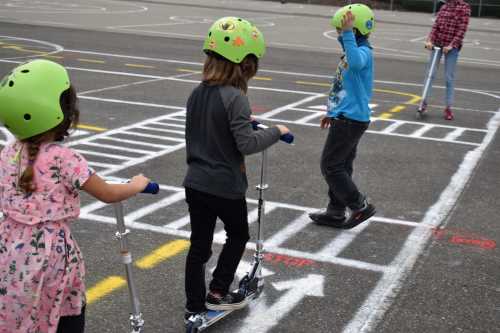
(136, 320)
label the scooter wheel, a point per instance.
(190, 328)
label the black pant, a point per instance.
(337, 164)
(72, 324)
(204, 209)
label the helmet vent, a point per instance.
(226, 39)
(27, 116)
(25, 71)
(210, 34)
(11, 83)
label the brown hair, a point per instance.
(219, 71)
(69, 106)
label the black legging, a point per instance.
(72, 324)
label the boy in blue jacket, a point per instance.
(348, 117)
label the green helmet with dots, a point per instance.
(364, 19)
(29, 98)
(234, 38)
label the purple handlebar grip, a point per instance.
(288, 138)
(152, 188)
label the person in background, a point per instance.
(448, 33)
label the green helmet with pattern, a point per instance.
(234, 38)
(29, 98)
(364, 19)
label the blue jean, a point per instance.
(450, 65)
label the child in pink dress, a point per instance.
(41, 267)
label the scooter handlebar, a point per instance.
(288, 138)
(152, 188)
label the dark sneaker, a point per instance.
(448, 114)
(324, 218)
(359, 216)
(188, 314)
(230, 301)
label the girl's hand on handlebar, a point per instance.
(429, 45)
(283, 129)
(139, 182)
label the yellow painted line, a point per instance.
(385, 115)
(139, 66)
(162, 253)
(93, 61)
(263, 78)
(187, 70)
(104, 288)
(308, 83)
(53, 57)
(92, 128)
(398, 108)
(414, 98)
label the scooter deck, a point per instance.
(214, 316)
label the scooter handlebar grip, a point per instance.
(288, 138)
(152, 188)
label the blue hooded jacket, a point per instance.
(352, 84)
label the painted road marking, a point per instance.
(449, 134)
(92, 61)
(380, 299)
(105, 287)
(156, 257)
(274, 243)
(92, 128)
(263, 318)
(163, 253)
(140, 66)
(136, 152)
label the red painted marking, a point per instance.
(258, 109)
(463, 237)
(287, 260)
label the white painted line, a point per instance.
(453, 135)
(168, 125)
(152, 136)
(101, 165)
(392, 127)
(381, 298)
(95, 153)
(271, 113)
(80, 94)
(164, 130)
(343, 239)
(140, 143)
(56, 48)
(379, 132)
(179, 223)
(266, 317)
(310, 117)
(291, 229)
(418, 39)
(422, 130)
(121, 101)
(250, 245)
(304, 110)
(143, 211)
(130, 150)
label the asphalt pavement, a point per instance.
(427, 262)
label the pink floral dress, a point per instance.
(41, 267)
